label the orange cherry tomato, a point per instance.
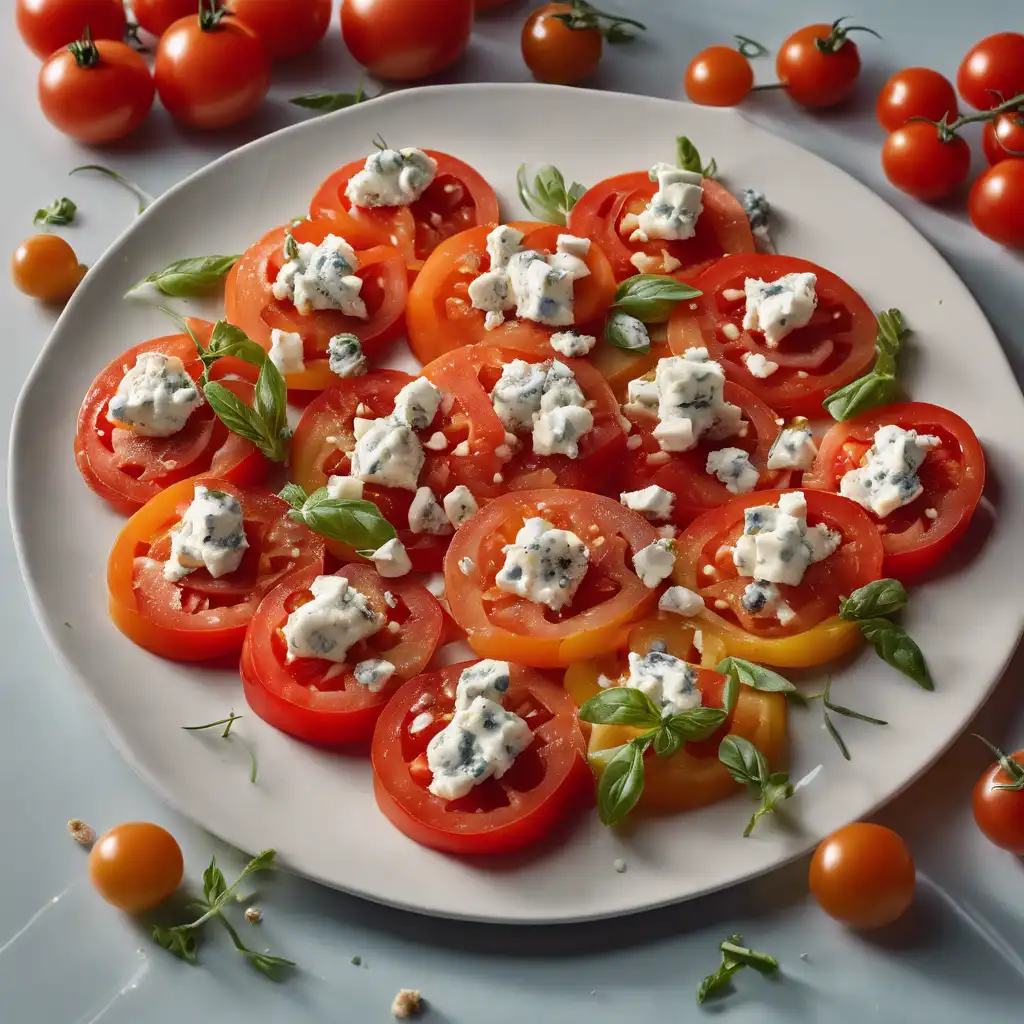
(863, 875)
(1000, 812)
(211, 71)
(917, 161)
(96, 91)
(1003, 137)
(46, 267)
(157, 16)
(286, 30)
(992, 70)
(996, 203)
(136, 866)
(818, 65)
(915, 92)
(719, 76)
(556, 53)
(47, 25)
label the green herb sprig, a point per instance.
(191, 277)
(879, 385)
(225, 340)
(328, 102)
(357, 523)
(688, 158)
(757, 677)
(59, 213)
(265, 422)
(735, 956)
(141, 194)
(227, 723)
(548, 198)
(749, 767)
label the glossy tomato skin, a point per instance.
(921, 164)
(992, 70)
(403, 40)
(863, 875)
(996, 203)
(1003, 138)
(915, 92)
(999, 813)
(286, 30)
(46, 268)
(556, 53)
(813, 78)
(952, 476)
(99, 103)
(211, 78)
(136, 866)
(157, 16)
(547, 783)
(719, 76)
(47, 25)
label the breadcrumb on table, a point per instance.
(254, 915)
(81, 832)
(406, 1003)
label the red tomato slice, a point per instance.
(200, 617)
(320, 701)
(468, 375)
(127, 469)
(547, 781)
(611, 596)
(458, 199)
(439, 316)
(722, 228)
(324, 439)
(836, 347)
(685, 473)
(250, 303)
(952, 476)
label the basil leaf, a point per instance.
(359, 524)
(687, 156)
(327, 102)
(621, 705)
(893, 644)
(190, 277)
(241, 420)
(228, 340)
(744, 762)
(548, 198)
(757, 677)
(271, 402)
(891, 332)
(214, 883)
(622, 782)
(266, 963)
(177, 940)
(697, 723)
(735, 950)
(667, 741)
(718, 983)
(731, 692)
(883, 597)
(626, 332)
(293, 494)
(651, 297)
(60, 213)
(777, 788)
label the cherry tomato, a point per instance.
(46, 267)
(915, 92)
(993, 70)
(917, 161)
(863, 875)
(47, 25)
(1000, 812)
(818, 65)
(96, 91)
(406, 39)
(286, 30)
(136, 866)
(996, 203)
(556, 53)
(1003, 137)
(211, 71)
(157, 16)
(719, 76)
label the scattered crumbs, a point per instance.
(721, 605)
(254, 915)
(780, 421)
(807, 956)
(593, 529)
(620, 865)
(708, 570)
(929, 512)
(593, 991)
(390, 600)
(80, 831)
(393, 239)
(356, 961)
(802, 374)
(68, 625)
(393, 627)
(634, 442)
(330, 439)
(498, 478)
(657, 458)
(406, 1003)
(598, 542)
(940, 302)
(541, 505)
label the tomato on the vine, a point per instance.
(157, 16)
(286, 30)
(996, 203)
(136, 866)
(918, 161)
(1003, 137)
(998, 806)
(818, 65)
(915, 92)
(47, 25)
(46, 267)
(719, 76)
(992, 70)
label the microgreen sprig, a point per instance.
(735, 956)
(227, 723)
(59, 213)
(879, 385)
(548, 198)
(225, 340)
(265, 422)
(688, 158)
(749, 767)
(328, 102)
(583, 16)
(839, 709)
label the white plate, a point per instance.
(316, 808)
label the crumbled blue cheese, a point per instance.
(417, 403)
(758, 211)
(642, 397)
(777, 545)
(778, 307)
(794, 448)
(669, 681)
(338, 617)
(466, 565)
(345, 356)
(544, 565)
(655, 562)
(391, 559)
(426, 515)
(322, 276)
(373, 673)
(757, 365)
(424, 720)
(344, 488)
(888, 479)
(391, 177)
(502, 245)
(492, 293)
(681, 601)
(486, 678)
(673, 210)
(572, 344)
(543, 293)
(733, 467)
(654, 502)
(518, 391)
(459, 505)
(632, 333)
(764, 598)
(286, 351)
(155, 397)
(570, 255)
(558, 431)
(388, 453)
(211, 534)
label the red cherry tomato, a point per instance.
(719, 76)
(915, 92)
(917, 161)
(157, 16)
(136, 866)
(211, 72)
(996, 203)
(1000, 812)
(286, 30)
(96, 91)
(1003, 137)
(47, 25)
(556, 53)
(818, 65)
(406, 39)
(992, 70)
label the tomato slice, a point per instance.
(440, 318)
(250, 303)
(127, 469)
(546, 783)
(685, 473)
(610, 598)
(816, 633)
(468, 375)
(458, 199)
(837, 345)
(200, 617)
(952, 477)
(324, 440)
(722, 227)
(320, 701)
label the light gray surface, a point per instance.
(956, 957)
